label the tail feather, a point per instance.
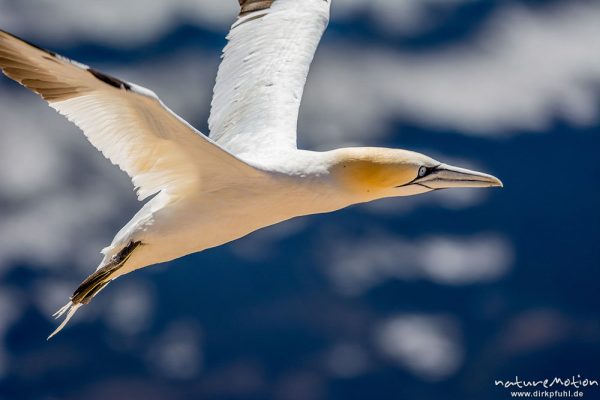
(93, 284)
(70, 308)
(62, 310)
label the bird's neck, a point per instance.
(316, 182)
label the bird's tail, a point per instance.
(93, 284)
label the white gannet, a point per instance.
(249, 174)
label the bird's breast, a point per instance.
(233, 212)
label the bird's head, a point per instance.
(378, 172)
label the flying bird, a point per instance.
(249, 173)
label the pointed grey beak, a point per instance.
(446, 176)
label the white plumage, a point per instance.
(249, 174)
(261, 78)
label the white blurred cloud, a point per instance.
(115, 22)
(428, 346)
(50, 294)
(525, 69)
(132, 22)
(395, 17)
(177, 352)
(358, 264)
(131, 308)
(58, 229)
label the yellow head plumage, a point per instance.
(380, 172)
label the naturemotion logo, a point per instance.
(562, 387)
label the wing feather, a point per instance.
(126, 122)
(261, 78)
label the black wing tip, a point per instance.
(249, 6)
(94, 283)
(110, 80)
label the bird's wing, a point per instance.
(126, 122)
(261, 78)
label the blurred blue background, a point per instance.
(429, 297)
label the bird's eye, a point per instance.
(422, 172)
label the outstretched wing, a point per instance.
(261, 78)
(126, 122)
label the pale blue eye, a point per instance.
(422, 172)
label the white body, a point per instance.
(283, 188)
(249, 174)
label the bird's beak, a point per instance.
(446, 176)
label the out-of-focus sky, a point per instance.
(425, 297)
